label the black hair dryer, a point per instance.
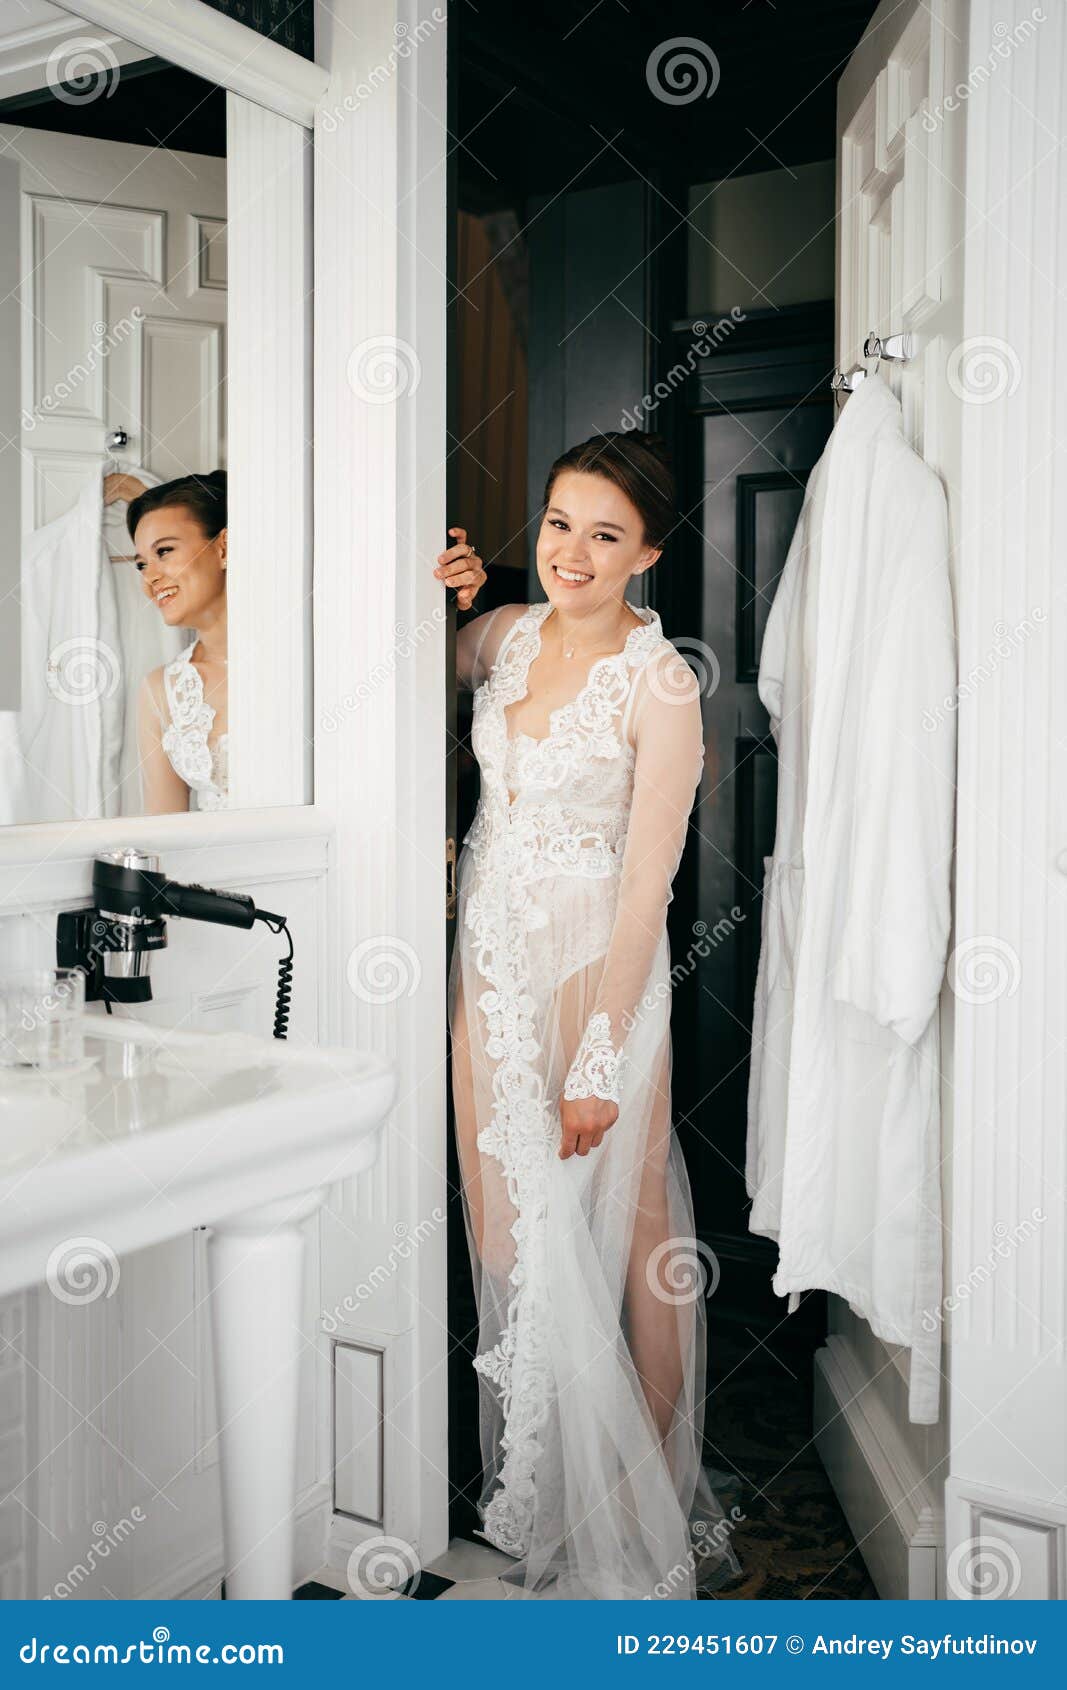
(112, 943)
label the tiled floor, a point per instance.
(466, 1571)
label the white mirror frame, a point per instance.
(272, 96)
(216, 47)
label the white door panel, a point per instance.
(124, 306)
(900, 171)
(896, 250)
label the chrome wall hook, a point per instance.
(895, 348)
(847, 381)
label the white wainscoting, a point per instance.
(881, 1468)
(1009, 1323)
(991, 420)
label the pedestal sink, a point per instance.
(161, 1131)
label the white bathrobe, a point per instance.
(85, 650)
(858, 661)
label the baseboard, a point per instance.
(893, 1511)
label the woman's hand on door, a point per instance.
(460, 567)
(584, 1121)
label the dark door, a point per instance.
(591, 351)
(755, 416)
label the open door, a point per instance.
(899, 229)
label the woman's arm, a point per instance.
(162, 789)
(669, 748)
(478, 642)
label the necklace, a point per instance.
(569, 651)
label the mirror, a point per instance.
(114, 689)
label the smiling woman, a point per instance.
(179, 531)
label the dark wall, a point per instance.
(290, 22)
(606, 278)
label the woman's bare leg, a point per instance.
(466, 1119)
(654, 1318)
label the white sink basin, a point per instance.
(161, 1131)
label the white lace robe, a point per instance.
(589, 1284)
(173, 698)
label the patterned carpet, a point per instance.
(794, 1541)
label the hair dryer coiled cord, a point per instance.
(277, 924)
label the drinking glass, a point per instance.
(41, 1019)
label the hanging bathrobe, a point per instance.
(77, 669)
(857, 664)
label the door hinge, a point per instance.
(450, 880)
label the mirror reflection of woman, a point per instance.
(587, 729)
(179, 534)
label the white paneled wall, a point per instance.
(1007, 1332)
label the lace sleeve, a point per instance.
(478, 642)
(669, 745)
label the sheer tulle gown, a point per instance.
(590, 1290)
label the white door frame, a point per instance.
(992, 353)
(377, 105)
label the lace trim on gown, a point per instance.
(187, 738)
(510, 845)
(596, 1069)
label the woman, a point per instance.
(179, 535)
(587, 729)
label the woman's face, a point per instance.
(182, 570)
(591, 542)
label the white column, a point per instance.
(1005, 1523)
(256, 1263)
(381, 145)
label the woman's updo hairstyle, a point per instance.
(203, 496)
(639, 464)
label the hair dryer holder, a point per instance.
(112, 943)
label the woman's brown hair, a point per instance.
(639, 464)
